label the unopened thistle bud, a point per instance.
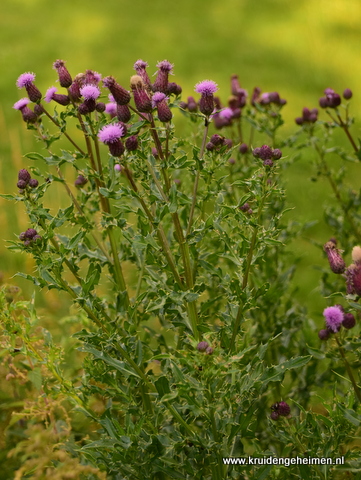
(121, 96)
(206, 88)
(335, 259)
(347, 94)
(192, 104)
(80, 181)
(123, 113)
(110, 135)
(202, 346)
(65, 79)
(51, 95)
(24, 175)
(26, 80)
(33, 183)
(141, 97)
(174, 88)
(348, 321)
(161, 82)
(323, 334)
(131, 143)
(100, 107)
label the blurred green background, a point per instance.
(297, 48)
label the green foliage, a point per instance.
(189, 328)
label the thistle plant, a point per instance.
(174, 252)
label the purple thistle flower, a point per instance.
(20, 104)
(165, 66)
(140, 67)
(51, 95)
(161, 82)
(335, 259)
(25, 80)
(90, 92)
(92, 78)
(28, 115)
(226, 113)
(110, 133)
(157, 98)
(353, 279)
(65, 79)
(206, 87)
(333, 317)
(111, 109)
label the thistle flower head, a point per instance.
(226, 113)
(206, 87)
(335, 259)
(158, 97)
(136, 82)
(140, 65)
(111, 108)
(25, 79)
(49, 94)
(110, 133)
(63, 74)
(333, 318)
(90, 92)
(165, 66)
(21, 103)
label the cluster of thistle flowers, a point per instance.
(25, 180)
(330, 100)
(336, 317)
(225, 116)
(30, 237)
(267, 155)
(280, 409)
(83, 92)
(204, 347)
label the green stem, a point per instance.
(349, 136)
(158, 228)
(248, 265)
(349, 370)
(196, 182)
(327, 173)
(64, 133)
